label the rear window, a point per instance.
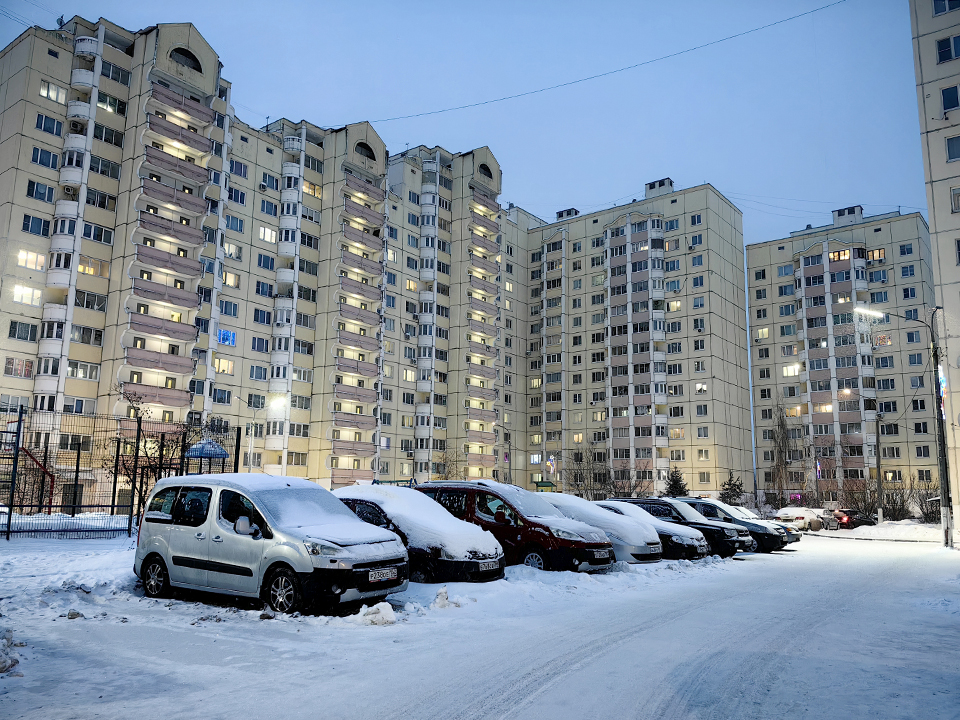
(528, 503)
(161, 506)
(300, 507)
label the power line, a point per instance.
(15, 16)
(668, 56)
(43, 7)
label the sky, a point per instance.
(789, 122)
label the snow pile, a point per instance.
(898, 530)
(629, 529)
(380, 614)
(425, 522)
(443, 600)
(9, 658)
(81, 522)
(637, 512)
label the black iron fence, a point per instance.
(66, 475)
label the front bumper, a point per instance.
(581, 559)
(465, 570)
(681, 551)
(638, 553)
(332, 586)
(769, 543)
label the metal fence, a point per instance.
(66, 475)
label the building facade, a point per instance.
(936, 53)
(840, 355)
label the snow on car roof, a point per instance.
(631, 530)
(634, 510)
(425, 522)
(249, 482)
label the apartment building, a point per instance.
(840, 354)
(635, 352)
(936, 54)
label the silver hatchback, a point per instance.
(285, 540)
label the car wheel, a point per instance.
(727, 553)
(535, 558)
(283, 591)
(156, 580)
(422, 574)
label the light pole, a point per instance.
(937, 392)
(277, 402)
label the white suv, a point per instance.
(286, 540)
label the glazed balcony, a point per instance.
(478, 437)
(357, 367)
(171, 163)
(362, 213)
(364, 188)
(150, 359)
(81, 79)
(488, 329)
(158, 395)
(168, 261)
(171, 196)
(78, 110)
(174, 132)
(150, 290)
(347, 476)
(177, 231)
(352, 312)
(475, 391)
(483, 285)
(484, 244)
(371, 267)
(485, 223)
(370, 292)
(85, 46)
(152, 325)
(482, 349)
(486, 202)
(481, 415)
(353, 420)
(355, 340)
(354, 393)
(293, 144)
(368, 240)
(67, 209)
(478, 460)
(182, 104)
(489, 265)
(484, 371)
(483, 307)
(353, 447)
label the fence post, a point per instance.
(163, 442)
(13, 469)
(43, 479)
(236, 453)
(133, 478)
(183, 451)
(116, 471)
(76, 480)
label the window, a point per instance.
(26, 295)
(268, 208)
(49, 125)
(36, 226)
(101, 200)
(108, 135)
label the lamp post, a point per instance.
(937, 393)
(277, 402)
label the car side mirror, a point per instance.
(243, 527)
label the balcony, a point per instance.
(353, 420)
(174, 132)
(481, 415)
(58, 277)
(67, 209)
(478, 437)
(488, 329)
(292, 144)
(483, 371)
(489, 265)
(81, 79)
(347, 476)
(371, 267)
(180, 103)
(354, 340)
(484, 244)
(483, 285)
(171, 163)
(168, 261)
(158, 395)
(87, 47)
(364, 188)
(362, 213)
(284, 330)
(368, 240)
(54, 312)
(360, 449)
(480, 393)
(352, 312)
(370, 292)
(354, 393)
(286, 275)
(483, 349)
(152, 325)
(150, 290)
(485, 223)
(177, 231)
(180, 200)
(484, 201)
(483, 307)
(478, 460)
(357, 367)
(78, 110)
(153, 360)
(70, 176)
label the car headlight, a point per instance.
(447, 555)
(615, 539)
(319, 548)
(678, 539)
(565, 534)
(730, 533)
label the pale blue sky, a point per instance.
(790, 123)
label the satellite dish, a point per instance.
(61, 22)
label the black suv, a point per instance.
(724, 538)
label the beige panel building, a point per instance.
(936, 54)
(839, 355)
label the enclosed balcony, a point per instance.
(482, 328)
(371, 267)
(353, 420)
(347, 476)
(368, 240)
(168, 261)
(174, 132)
(87, 47)
(478, 437)
(181, 201)
(151, 325)
(486, 202)
(354, 340)
(475, 391)
(483, 349)
(483, 285)
(67, 209)
(364, 188)
(58, 277)
(483, 371)
(357, 367)
(81, 79)
(488, 265)
(54, 312)
(478, 460)
(150, 290)
(171, 163)
(292, 144)
(150, 359)
(177, 231)
(158, 395)
(286, 275)
(481, 415)
(182, 104)
(354, 393)
(483, 307)
(359, 449)
(352, 312)
(484, 244)
(78, 110)
(362, 213)
(485, 223)
(370, 292)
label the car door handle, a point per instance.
(200, 536)
(217, 538)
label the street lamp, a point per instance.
(276, 403)
(937, 390)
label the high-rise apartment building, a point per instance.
(841, 356)
(936, 55)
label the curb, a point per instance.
(841, 537)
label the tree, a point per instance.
(676, 487)
(450, 465)
(731, 492)
(635, 481)
(586, 474)
(926, 497)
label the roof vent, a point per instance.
(658, 187)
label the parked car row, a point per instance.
(296, 546)
(808, 519)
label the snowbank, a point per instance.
(64, 522)
(899, 530)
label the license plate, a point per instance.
(385, 574)
(601, 553)
(492, 565)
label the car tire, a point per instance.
(423, 574)
(727, 553)
(536, 558)
(283, 592)
(155, 578)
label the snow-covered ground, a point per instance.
(893, 530)
(869, 627)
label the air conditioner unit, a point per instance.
(691, 248)
(883, 282)
(406, 336)
(882, 261)
(593, 402)
(413, 361)
(699, 330)
(869, 263)
(69, 191)
(409, 453)
(263, 186)
(756, 340)
(76, 127)
(677, 291)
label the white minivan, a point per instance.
(283, 539)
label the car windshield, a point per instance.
(688, 512)
(303, 507)
(529, 504)
(738, 511)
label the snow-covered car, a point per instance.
(802, 518)
(283, 539)
(531, 531)
(678, 542)
(724, 538)
(769, 537)
(441, 547)
(792, 531)
(634, 541)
